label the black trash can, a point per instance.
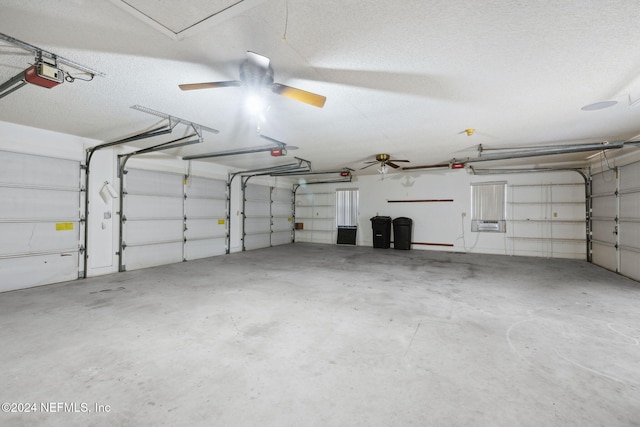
(402, 233)
(381, 231)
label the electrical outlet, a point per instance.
(464, 214)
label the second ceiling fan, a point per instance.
(256, 72)
(384, 160)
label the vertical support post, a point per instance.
(588, 186)
(616, 231)
(244, 181)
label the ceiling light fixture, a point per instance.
(383, 168)
(255, 104)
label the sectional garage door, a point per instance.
(39, 220)
(616, 220)
(168, 218)
(267, 216)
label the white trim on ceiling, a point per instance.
(207, 22)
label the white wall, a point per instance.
(449, 223)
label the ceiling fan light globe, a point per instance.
(255, 104)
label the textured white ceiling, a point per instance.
(404, 78)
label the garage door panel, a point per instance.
(34, 204)
(257, 225)
(630, 177)
(153, 182)
(604, 256)
(282, 195)
(150, 231)
(630, 205)
(152, 255)
(26, 170)
(257, 209)
(198, 208)
(39, 220)
(281, 224)
(629, 265)
(604, 183)
(603, 231)
(206, 213)
(629, 234)
(37, 237)
(205, 228)
(25, 272)
(205, 187)
(604, 206)
(257, 241)
(280, 238)
(281, 210)
(257, 192)
(153, 207)
(197, 249)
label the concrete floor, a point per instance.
(322, 335)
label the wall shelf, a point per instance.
(559, 221)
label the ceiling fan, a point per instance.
(384, 160)
(256, 72)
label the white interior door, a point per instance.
(257, 217)
(206, 213)
(153, 228)
(39, 220)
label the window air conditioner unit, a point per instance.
(498, 226)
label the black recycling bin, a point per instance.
(347, 235)
(402, 233)
(381, 231)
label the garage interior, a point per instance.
(432, 218)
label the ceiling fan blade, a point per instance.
(209, 85)
(368, 166)
(404, 161)
(259, 60)
(393, 165)
(299, 95)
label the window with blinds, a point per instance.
(347, 208)
(489, 206)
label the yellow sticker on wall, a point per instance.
(221, 221)
(289, 219)
(61, 226)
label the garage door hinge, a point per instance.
(81, 249)
(124, 246)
